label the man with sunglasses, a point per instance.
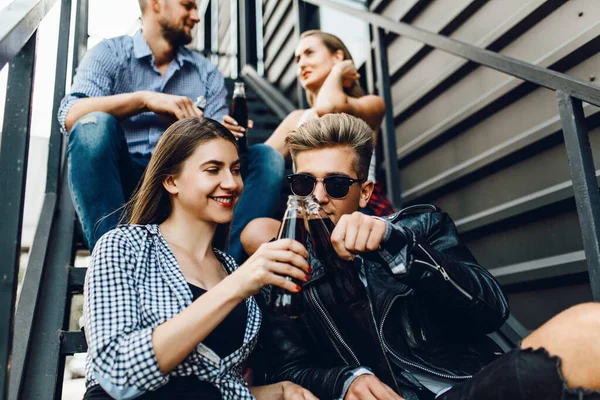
(420, 329)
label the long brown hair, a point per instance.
(151, 203)
(333, 43)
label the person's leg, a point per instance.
(97, 153)
(574, 336)
(557, 361)
(262, 185)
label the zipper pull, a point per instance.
(444, 273)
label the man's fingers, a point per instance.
(309, 396)
(376, 236)
(362, 238)
(250, 124)
(394, 395)
(338, 239)
(380, 391)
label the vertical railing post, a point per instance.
(32, 281)
(388, 134)
(81, 32)
(13, 173)
(585, 185)
(247, 33)
(307, 17)
(60, 82)
(207, 21)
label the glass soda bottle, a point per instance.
(342, 275)
(283, 303)
(239, 112)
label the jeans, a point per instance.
(103, 175)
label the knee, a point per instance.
(576, 326)
(94, 132)
(257, 232)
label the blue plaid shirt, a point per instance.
(125, 64)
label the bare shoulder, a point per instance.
(290, 122)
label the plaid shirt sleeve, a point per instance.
(216, 95)
(95, 77)
(121, 350)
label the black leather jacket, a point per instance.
(428, 304)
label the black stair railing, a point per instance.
(571, 92)
(30, 366)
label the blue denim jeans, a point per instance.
(103, 175)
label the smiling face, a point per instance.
(177, 19)
(325, 162)
(209, 184)
(314, 61)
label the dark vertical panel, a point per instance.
(207, 18)
(13, 172)
(247, 33)
(81, 32)
(307, 19)
(60, 79)
(583, 175)
(45, 366)
(388, 133)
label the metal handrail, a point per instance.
(267, 92)
(571, 92)
(19, 21)
(541, 76)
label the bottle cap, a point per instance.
(200, 102)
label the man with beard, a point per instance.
(127, 91)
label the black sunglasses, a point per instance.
(336, 186)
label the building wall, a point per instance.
(482, 145)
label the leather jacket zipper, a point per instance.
(381, 340)
(405, 361)
(443, 272)
(336, 332)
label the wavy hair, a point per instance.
(151, 203)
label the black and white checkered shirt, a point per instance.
(133, 285)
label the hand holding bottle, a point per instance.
(269, 265)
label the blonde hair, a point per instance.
(335, 130)
(333, 43)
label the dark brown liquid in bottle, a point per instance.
(341, 274)
(239, 112)
(283, 303)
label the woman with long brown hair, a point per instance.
(168, 314)
(329, 77)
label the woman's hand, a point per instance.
(347, 71)
(269, 265)
(234, 127)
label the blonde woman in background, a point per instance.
(329, 77)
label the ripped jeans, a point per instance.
(103, 175)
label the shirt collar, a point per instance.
(140, 46)
(141, 49)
